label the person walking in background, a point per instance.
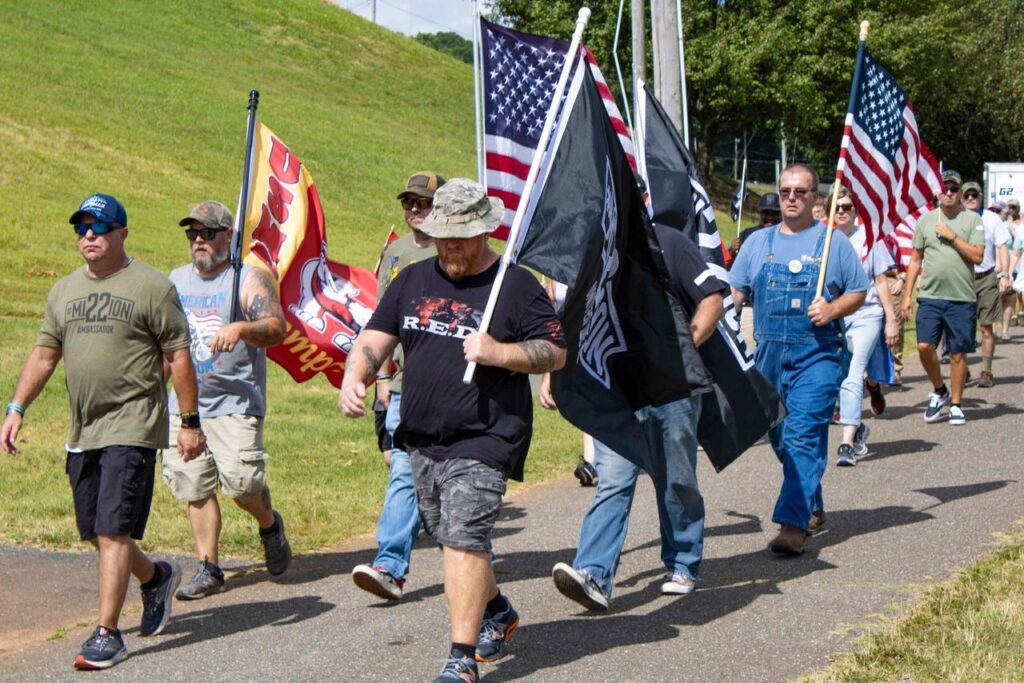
(230, 359)
(114, 322)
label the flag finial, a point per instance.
(864, 26)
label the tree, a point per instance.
(449, 43)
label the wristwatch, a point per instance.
(1000, 276)
(190, 421)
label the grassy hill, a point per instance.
(147, 101)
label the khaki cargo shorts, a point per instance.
(234, 456)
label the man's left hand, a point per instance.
(1005, 285)
(191, 443)
(226, 338)
(483, 349)
(820, 312)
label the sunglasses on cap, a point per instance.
(206, 233)
(97, 228)
(421, 203)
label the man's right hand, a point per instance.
(906, 308)
(544, 395)
(9, 434)
(352, 399)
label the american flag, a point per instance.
(883, 160)
(521, 71)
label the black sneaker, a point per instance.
(276, 551)
(208, 580)
(586, 473)
(847, 456)
(156, 602)
(495, 634)
(579, 586)
(936, 404)
(104, 649)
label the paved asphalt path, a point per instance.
(926, 500)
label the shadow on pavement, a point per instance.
(887, 449)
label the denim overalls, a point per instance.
(806, 365)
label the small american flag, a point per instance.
(883, 160)
(521, 71)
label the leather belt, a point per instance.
(979, 276)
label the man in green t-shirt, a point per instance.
(948, 243)
(114, 321)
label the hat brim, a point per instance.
(416, 192)
(98, 215)
(443, 228)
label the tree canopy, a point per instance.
(773, 65)
(449, 43)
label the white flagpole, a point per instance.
(743, 192)
(682, 73)
(531, 177)
(477, 94)
(640, 131)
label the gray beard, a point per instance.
(205, 264)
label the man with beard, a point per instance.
(231, 368)
(464, 440)
(399, 522)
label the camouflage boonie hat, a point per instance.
(422, 184)
(462, 209)
(210, 213)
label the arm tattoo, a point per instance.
(264, 309)
(374, 364)
(540, 353)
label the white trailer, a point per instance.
(1003, 181)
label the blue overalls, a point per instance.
(806, 365)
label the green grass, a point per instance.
(970, 628)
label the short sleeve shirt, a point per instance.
(112, 334)
(946, 274)
(689, 274)
(490, 419)
(876, 261)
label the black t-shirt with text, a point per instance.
(490, 419)
(688, 273)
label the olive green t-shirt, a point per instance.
(402, 252)
(112, 334)
(946, 274)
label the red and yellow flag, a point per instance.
(325, 303)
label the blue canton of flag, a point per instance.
(879, 109)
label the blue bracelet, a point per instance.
(13, 407)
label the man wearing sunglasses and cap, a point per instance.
(464, 440)
(230, 358)
(115, 322)
(399, 521)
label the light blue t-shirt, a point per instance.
(843, 274)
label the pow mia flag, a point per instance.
(629, 342)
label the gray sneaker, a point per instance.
(204, 582)
(860, 439)
(156, 601)
(678, 584)
(579, 586)
(847, 456)
(276, 550)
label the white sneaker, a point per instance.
(956, 416)
(678, 584)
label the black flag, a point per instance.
(744, 405)
(629, 342)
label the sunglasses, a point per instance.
(206, 233)
(971, 195)
(798, 192)
(845, 208)
(951, 189)
(421, 203)
(97, 228)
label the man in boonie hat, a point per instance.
(464, 440)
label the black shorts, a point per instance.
(954, 320)
(112, 488)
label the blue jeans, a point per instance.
(861, 338)
(671, 434)
(399, 522)
(806, 375)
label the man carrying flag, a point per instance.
(464, 440)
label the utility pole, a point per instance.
(735, 158)
(374, 14)
(639, 31)
(666, 63)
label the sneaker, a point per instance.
(458, 670)
(877, 399)
(579, 586)
(204, 582)
(678, 584)
(986, 381)
(586, 473)
(495, 633)
(945, 358)
(102, 650)
(956, 416)
(933, 413)
(276, 551)
(378, 581)
(860, 439)
(847, 456)
(156, 602)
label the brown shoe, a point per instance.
(817, 523)
(986, 381)
(790, 541)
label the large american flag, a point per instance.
(883, 160)
(521, 71)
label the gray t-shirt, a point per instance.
(876, 261)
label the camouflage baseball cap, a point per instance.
(971, 185)
(952, 177)
(462, 209)
(210, 213)
(422, 184)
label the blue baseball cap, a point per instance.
(103, 208)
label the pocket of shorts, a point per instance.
(490, 485)
(251, 456)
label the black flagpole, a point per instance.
(243, 205)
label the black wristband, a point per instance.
(190, 421)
